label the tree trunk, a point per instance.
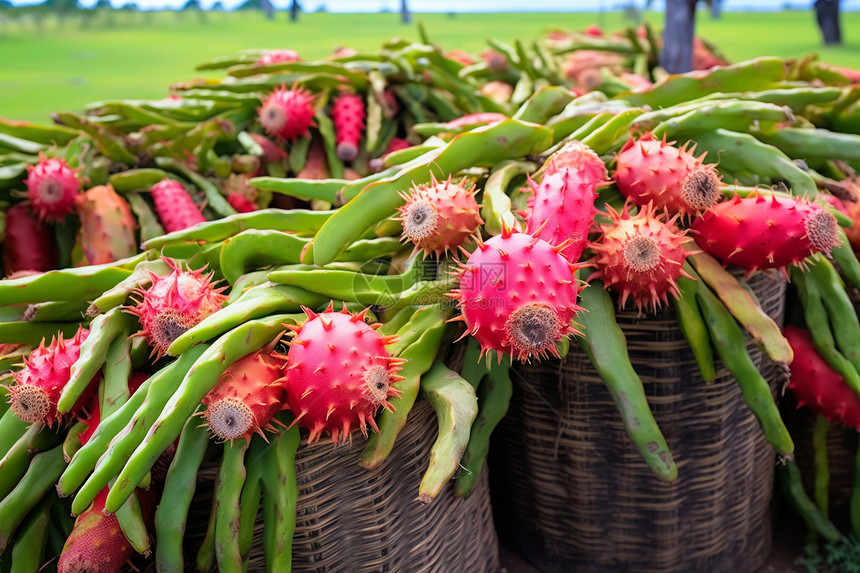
(677, 56)
(715, 9)
(405, 16)
(268, 9)
(294, 10)
(827, 15)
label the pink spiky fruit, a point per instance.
(96, 543)
(579, 158)
(339, 374)
(765, 232)
(174, 206)
(561, 209)
(173, 303)
(817, 385)
(517, 295)
(287, 114)
(347, 114)
(47, 370)
(651, 170)
(273, 57)
(248, 395)
(29, 244)
(640, 256)
(52, 187)
(440, 216)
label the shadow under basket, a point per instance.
(350, 519)
(572, 494)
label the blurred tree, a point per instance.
(295, 8)
(716, 8)
(194, 6)
(405, 16)
(217, 7)
(827, 16)
(264, 5)
(677, 56)
(61, 8)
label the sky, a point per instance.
(472, 5)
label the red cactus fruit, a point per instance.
(287, 113)
(46, 372)
(640, 256)
(347, 114)
(339, 373)
(278, 57)
(97, 543)
(241, 203)
(703, 57)
(174, 206)
(29, 244)
(396, 144)
(581, 62)
(475, 119)
(174, 303)
(52, 187)
(594, 30)
(440, 216)
(817, 385)
(495, 60)
(673, 178)
(517, 295)
(561, 210)
(107, 227)
(761, 232)
(498, 91)
(460, 57)
(316, 164)
(638, 84)
(580, 158)
(94, 418)
(272, 153)
(390, 105)
(248, 394)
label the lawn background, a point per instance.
(62, 65)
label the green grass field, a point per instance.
(63, 66)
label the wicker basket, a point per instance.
(352, 520)
(571, 493)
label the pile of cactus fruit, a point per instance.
(301, 250)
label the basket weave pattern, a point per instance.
(352, 520)
(571, 493)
